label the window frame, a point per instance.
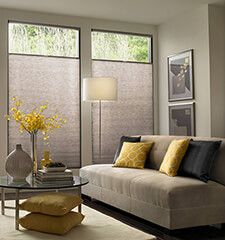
(80, 82)
(150, 36)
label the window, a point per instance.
(121, 47)
(127, 58)
(44, 65)
(43, 40)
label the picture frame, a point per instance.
(180, 76)
(182, 119)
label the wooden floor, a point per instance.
(198, 233)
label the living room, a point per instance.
(85, 86)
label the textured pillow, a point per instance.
(199, 158)
(133, 155)
(56, 204)
(174, 156)
(51, 224)
(122, 140)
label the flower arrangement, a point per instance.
(35, 120)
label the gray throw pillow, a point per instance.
(198, 159)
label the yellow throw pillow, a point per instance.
(51, 224)
(174, 156)
(133, 155)
(56, 204)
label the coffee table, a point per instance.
(32, 184)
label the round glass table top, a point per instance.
(32, 183)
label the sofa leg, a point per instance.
(168, 231)
(91, 199)
(223, 226)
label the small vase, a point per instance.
(33, 139)
(46, 160)
(18, 164)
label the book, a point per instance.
(55, 182)
(52, 178)
(43, 172)
(64, 174)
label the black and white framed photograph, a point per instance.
(180, 76)
(182, 119)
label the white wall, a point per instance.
(86, 24)
(186, 31)
(217, 69)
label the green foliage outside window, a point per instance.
(122, 47)
(43, 40)
(56, 41)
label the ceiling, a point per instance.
(140, 11)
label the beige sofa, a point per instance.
(171, 202)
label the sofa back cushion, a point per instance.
(161, 144)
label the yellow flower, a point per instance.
(35, 120)
(18, 103)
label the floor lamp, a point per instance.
(100, 89)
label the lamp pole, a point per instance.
(100, 130)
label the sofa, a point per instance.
(171, 202)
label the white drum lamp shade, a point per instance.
(99, 89)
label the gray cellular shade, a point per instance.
(36, 79)
(132, 114)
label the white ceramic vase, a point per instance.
(18, 164)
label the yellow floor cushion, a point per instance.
(56, 204)
(51, 224)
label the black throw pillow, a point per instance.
(198, 159)
(122, 140)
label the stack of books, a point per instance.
(44, 177)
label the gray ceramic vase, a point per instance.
(18, 164)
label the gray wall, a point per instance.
(186, 31)
(217, 69)
(203, 30)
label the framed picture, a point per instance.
(182, 119)
(180, 76)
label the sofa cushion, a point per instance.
(174, 155)
(133, 155)
(156, 188)
(178, 192)
(122, 140)
(199, 158)
(115, 179)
